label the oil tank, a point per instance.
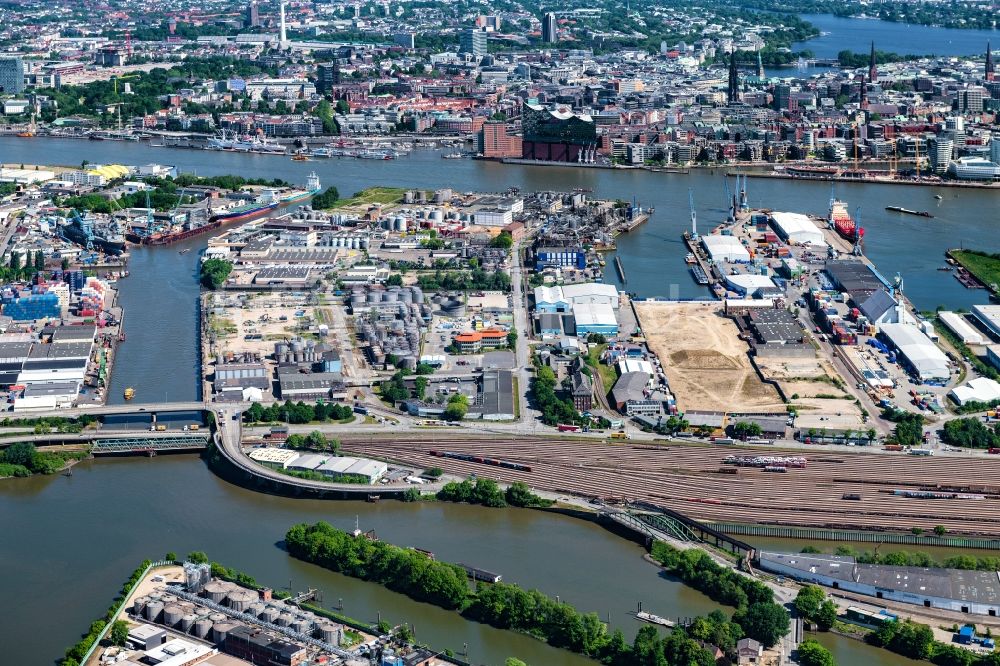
(374, 297)
(172, 614)
(168, 599)
(297, 346)
(221, 629)
(187, 622)
(240, 599)
(256, 609)
(301, 625)
(154, 610)
(390, 297)
(437, 217)
(330, 633)
(138, 605)
(285, 620)
(217, 617)
(202, 627)
(406, 296)
(216, 591)
(269, 614)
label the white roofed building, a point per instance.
(725, 248)
(797, 228)
(924, 359)
(980, 389)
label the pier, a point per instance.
(620, 269)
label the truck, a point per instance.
(620, 435)
(562, 427)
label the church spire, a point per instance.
(990, 72)
(733, 90)
(872, 68)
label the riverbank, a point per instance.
(877, 180)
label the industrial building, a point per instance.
(853, 276)
(594, 307)
(595, 318)
(775, 327)
(989, 316)
(922, 357)
(725, 249)
(976, 592)
(980, 389)
(797, 228)
(962, 329)
(368, 471)
(495, 401)
(750, 284)
(309, 387)
(570, 257)
(629, 391)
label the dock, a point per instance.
(481, 574)
(620, 269)
(698, 273)
(655, 619)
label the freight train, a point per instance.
(481, 460)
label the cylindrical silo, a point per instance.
(168, 599)
(138, 605)
(202, 627)
(269, 614)
(330, 633)
(373, 297)
(240, 599)
(285, 620)
(301, 625)
(154, 610)
(256, 609)
(217, 617)
(172, 614)
(220, 629)
(187, 622)
(216, 591)
(406, 296)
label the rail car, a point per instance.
(481, 460)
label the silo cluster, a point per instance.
(296, 350)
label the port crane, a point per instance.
(694, 216)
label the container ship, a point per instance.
(90, 232)
(313, 187)
(843, 223)
(247, 212)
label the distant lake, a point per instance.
(857, 35)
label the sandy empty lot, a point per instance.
(705, 361)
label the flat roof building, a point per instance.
(989, 315)
(962, 329)
(797, 228)
(922, 356)
(725, 248)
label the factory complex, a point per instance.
(182, 616)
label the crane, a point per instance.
(730, 201)
(694, 216)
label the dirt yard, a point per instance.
(705, 361)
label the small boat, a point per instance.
(690, 259)
(452, 156)
(129, 393)
(185, 250)
(654, 619)
(946, 268)
(938, 197)
(301, 158)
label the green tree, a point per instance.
(119, 633)
(519, 494)
(809, 600)
(420, 387)
(811, 653)
(171, 556)
(512, 338)
(19, 453)
(197, 557)
(940, 530)
(909, 430)
(764, 621)
(326, 199)
(745, 430)
(826, 616)
(394, 280)
(503, 240)
(457, 407)
(511, 661)
(214, 272)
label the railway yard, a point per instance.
(690, 479)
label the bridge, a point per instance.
(655, 521)
(149, 444)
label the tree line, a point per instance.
(22, 459)
(297, 412)
(476, 279)
(554, 409)
(486, 492)
(505, 605)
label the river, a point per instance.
(77, 538)
(857, 34)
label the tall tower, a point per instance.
(549, 28)
(283, 38)
(733, 90)
(253, 15)
(864, 92)
(872, 69)
(990, 68)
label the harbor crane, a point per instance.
(694, 216)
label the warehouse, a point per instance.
(48, 396)
(797, 228)
(748, 283)
(852, 275)
(273, 458)
(362, 469)
(962, 329)
(238, 376)
(591, 292)
(922, 356)
(725, 248)
(989, 315)
(630, 387)
(282, 276)
(948, 589)
(496, 400)
(980, 389)
(551, 299)
(595, 318)
(298, 386)
(775, 326)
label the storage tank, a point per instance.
(256, 608)
(437, 217)
(390, 296)
(302, 625)
(269, 614)
(187, 622)
(138, 605)
(285, 620)
(240, 599)
(168, 599)
(330, 633)
(406, 296)
(221, 629)
(154, 610)
(172, 614)
(216, 591)
(202, 627)
(374, 297)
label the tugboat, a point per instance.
(129, 393)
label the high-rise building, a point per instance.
(550, 28)
(995, 149)
(11, 75)
(733, 89)
(473, 41)
(970, 100)
(990, 73)
(253, 15)
(405, 39)
(954, 128)
(327, 76)
(872, 67)
(283, 39)
(941, 150)
(782, 96)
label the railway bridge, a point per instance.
(653, 520)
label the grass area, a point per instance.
(221, 326)
(517, 399)
(373, 195)
(607, 372)
(986, 267)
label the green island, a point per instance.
(22, 459)
(507, 606)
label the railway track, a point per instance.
(686, 478)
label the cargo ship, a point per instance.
(900, 209)
(88, 231)
(843, 223)
(313, 187)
